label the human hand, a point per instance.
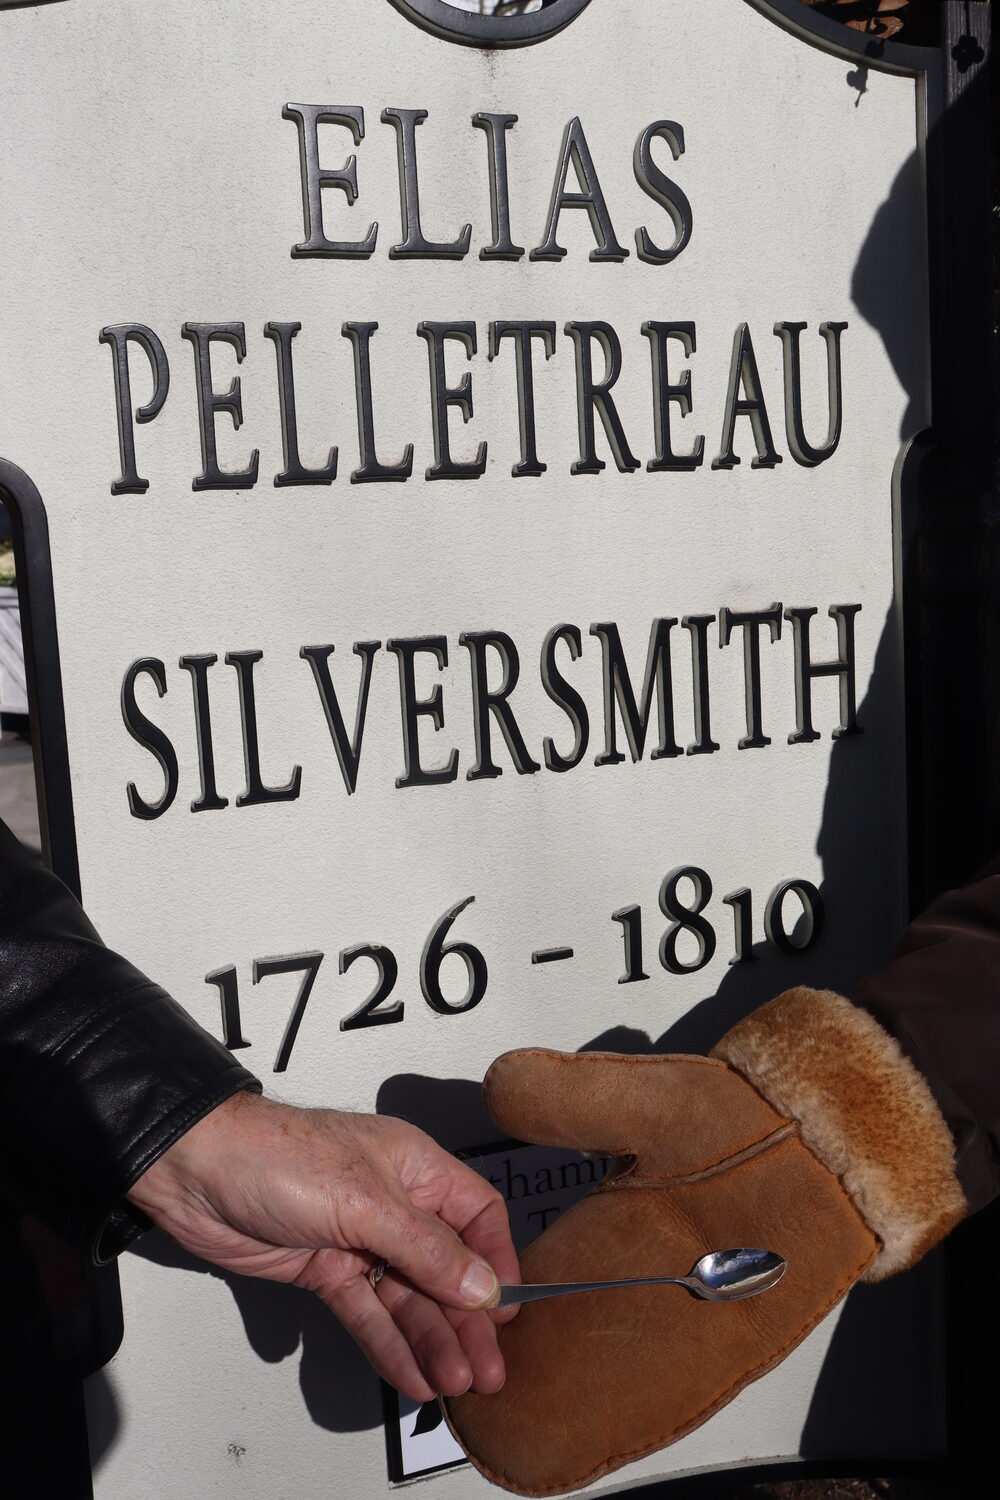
(317, 1198)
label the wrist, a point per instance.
(184, 1165)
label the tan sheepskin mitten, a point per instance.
(807, 1132)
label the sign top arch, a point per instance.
(475, 30)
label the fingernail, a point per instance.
(479, 1284)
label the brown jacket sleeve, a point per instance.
(939, 996)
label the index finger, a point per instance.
(476, 1211)
(440, 1185)
(488, 1234)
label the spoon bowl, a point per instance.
(719, 1276)
(725, 1275)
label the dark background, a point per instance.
(972, 1472)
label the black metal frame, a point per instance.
(30, 529)
(890, 56)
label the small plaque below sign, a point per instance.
(537, 1183)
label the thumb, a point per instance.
(429, 1254)
(676, 1113)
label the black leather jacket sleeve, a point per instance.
(100, 1070)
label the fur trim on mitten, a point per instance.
(862, 1108)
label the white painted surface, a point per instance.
(148, 175)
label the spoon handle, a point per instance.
(533, 1291)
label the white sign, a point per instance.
(471, 478)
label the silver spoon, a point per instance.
(721, 1276)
